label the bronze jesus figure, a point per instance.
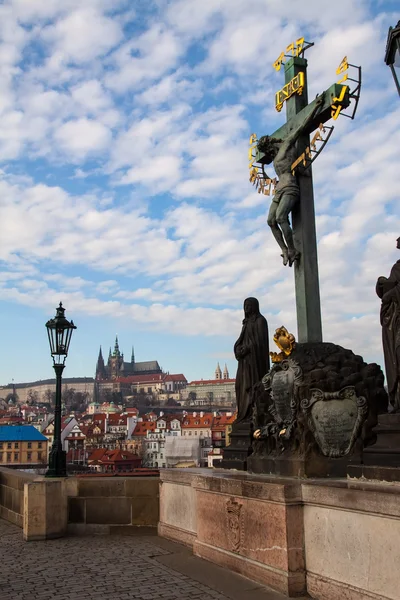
(283, 153)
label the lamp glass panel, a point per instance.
(397, 59)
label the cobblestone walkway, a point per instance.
(100, 567)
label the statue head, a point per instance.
(269, 146)
(251, 307)
(398, 243)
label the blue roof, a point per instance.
(20, 433)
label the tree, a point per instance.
(192, 396)
(32, 397)
(50, 397)
(13, 397)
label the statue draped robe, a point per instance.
(389, 292)
(252, 352)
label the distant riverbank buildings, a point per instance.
(117, 380)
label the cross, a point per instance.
(308, 303)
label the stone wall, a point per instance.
(12, 494)
(333, 539)
(48, 508)
(113, 504)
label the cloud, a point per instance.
(80, 137)
(142, 119)
(82, 35)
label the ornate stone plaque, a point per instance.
(335, 418)
(284, 378)
(235, 524)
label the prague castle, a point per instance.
(117, 367)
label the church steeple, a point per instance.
(218, 372)
(100, 367)
(226, 372)
(116, 347)
(133, 357)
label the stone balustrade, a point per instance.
(50, 508)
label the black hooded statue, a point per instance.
(252, 352)
(388, 289)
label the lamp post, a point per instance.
(392, 56)
(59, 330)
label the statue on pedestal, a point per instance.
(388, 290)
(252, 352)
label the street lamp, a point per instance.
(392, 56)
(59, 330)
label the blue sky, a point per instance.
(124, 182)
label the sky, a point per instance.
(124, 183)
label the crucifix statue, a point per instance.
(291, 152)
(283, 154)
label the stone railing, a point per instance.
(332, 539)
(49, 508)
(12, 494)
(113, 504)
(36, 504)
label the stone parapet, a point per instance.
(244, 522)
(49, 508)
(12, 494)
(34, 503)
(332, 539)
(109, 504)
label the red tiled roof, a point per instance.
(197, 422)
(104, 456)
(175, 377)
(142, 427)
(117, 419)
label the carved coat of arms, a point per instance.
(235, 523)
(335, 418)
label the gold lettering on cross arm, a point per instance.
(295, 86)
(336, 108)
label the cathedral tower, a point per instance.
(100, 367)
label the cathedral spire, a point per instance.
(116, 347)
(100, 367)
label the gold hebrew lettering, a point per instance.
(253, 175)
(279, 61)
(341, 96)
(253, 139)
(335, 112)
(297, 162)
(344, 78)
(344, 65)
(290, 48)
(316, 137)
(299, 46)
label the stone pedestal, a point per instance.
(45, 509)
(236, 454)
(382, 460)
(386, 451)
(300, 466)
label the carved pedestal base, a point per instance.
(298, 466)
(236, 454)
(382, 460)
(317, 412)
